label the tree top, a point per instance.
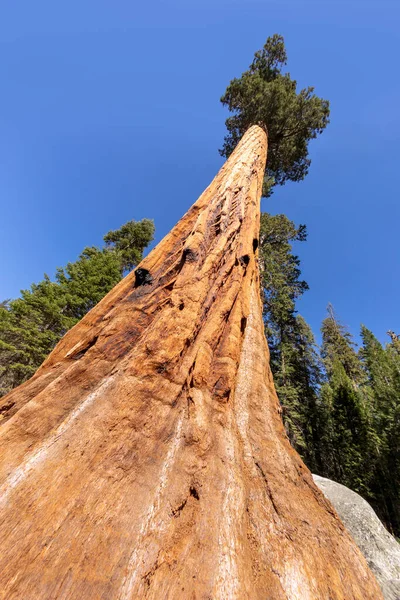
(264, 95)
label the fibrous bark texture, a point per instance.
(147, 457)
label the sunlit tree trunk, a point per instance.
(147, 457)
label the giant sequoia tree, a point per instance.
(147, 456)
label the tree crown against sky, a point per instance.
(338, 344)
(130, 241)
(266, 96)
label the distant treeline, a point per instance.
(341, 407)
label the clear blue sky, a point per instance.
(110, 111)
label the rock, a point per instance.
(381, 549)
(147, 458)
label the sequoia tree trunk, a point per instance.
(147, 458)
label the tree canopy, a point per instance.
(264, 95)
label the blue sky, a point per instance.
(110, 111)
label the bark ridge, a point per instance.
(147, 458)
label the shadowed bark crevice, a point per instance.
(81, 352)
(142, 277)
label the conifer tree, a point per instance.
(338, 345)
(281, 286)
(264, 95)
(379, 369)
(380, 365)
(129, 242)
(267, 96)
(31, 326)
(349, 442)
(308, 376)
(353, 442)
(173, 438)
(295, 360)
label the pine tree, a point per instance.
(295, 360)
(309, 377)
(85, 281)
(391, 484)
(338, 345)
(173, 439)
(381, 368)
(31, 326)
(352, 435)
(130, 241)
(266, 96)
(349, 442)
(280, 271)
(281, 286)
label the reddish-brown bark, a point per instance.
(147, 457)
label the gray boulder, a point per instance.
(381, 549)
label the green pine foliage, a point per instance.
(351, 441)
(280, 269)
(309, 377)
(264, 95)
(340, 407)
(31, 325)
(382, 368)
(130, 241)
(295, 361)
(85, 281)
(337, 344)
(361, 401)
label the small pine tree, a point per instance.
(351, 437)
(350, 442)
(309, 377)
(381, 369)
(30, 327)
(338, 345)
(130, 241)
(280, 274)
(295, 361)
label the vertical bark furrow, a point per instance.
(147, 458)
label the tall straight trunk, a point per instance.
(147, 457)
